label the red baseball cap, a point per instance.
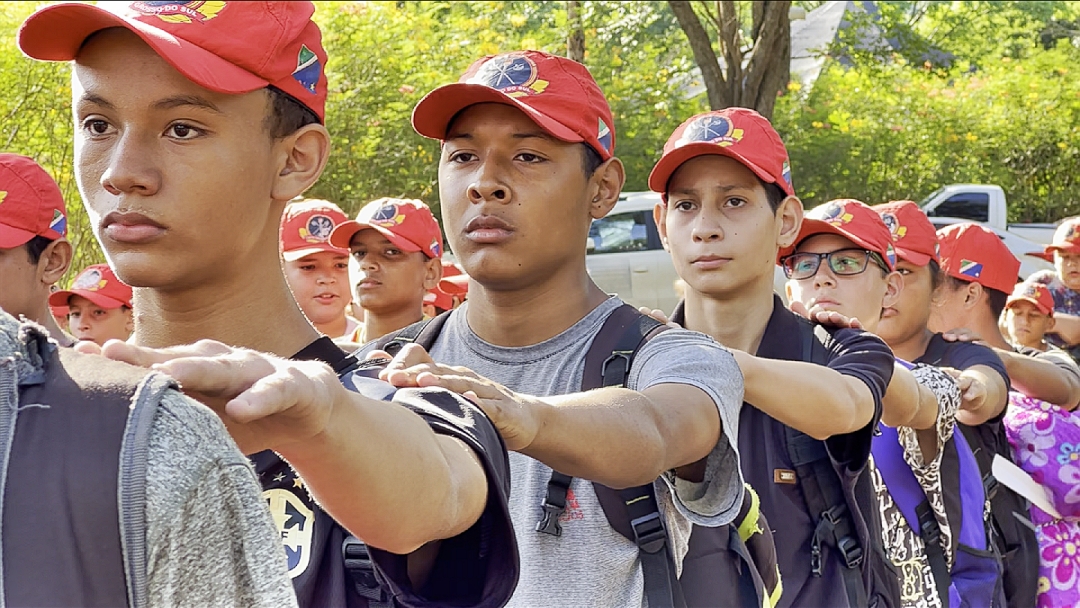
(306, 227)
(407, 223)
(30, 203)
(973, 253)
(227, 47)
(1066, 238)
(914, 237)
(97, 283)
(1036, 293)
(740, 133)
(558, 94)
(852, 220)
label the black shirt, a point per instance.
(476, 568)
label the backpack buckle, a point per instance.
(618, 378)
(852, 552)
(361, 570)
(815, 558)
(549, 522)
(649, 532)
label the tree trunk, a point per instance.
(769, 68)
(704, 55)
(575, 41)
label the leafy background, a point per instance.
(979, 92)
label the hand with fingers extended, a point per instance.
(659, 315)
(962, 334)
(265, 402)
(828, 318)
(517, 417)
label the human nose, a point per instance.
(130, 168)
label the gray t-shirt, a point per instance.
(591, 564)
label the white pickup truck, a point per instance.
(984, 204)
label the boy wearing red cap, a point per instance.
(1029, 316)
(99, 306)
(851, 231)
(34, 251)
(196, 124)
(318, 272)
(1064, 285)
(396, 249)
(729, 208)
(527, 162)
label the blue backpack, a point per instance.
(975, 577)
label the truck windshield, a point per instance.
(931, 197)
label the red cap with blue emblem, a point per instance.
(558, 94)
(30, 203)
(407, 223)
(851, 219)
(226, 47)
(740, 133)
(973, 253)
(913, 235)
(97, 283)
(306, 227)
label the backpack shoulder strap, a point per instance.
(423, 333)
(822, 489)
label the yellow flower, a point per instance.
(817, 124)
(971, 137)
(517, 20)
(794, 86)
(1062, 145)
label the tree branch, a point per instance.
(704, 55)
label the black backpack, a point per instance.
(632, 512)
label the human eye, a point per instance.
(684, 205)
(341, 266)
(462, 157)
(99, 314)
(392, 252)
(95, 126)
(529, 157)
(802, 264)
(359, 254)
(735, 202)
(183, 131)
(849, 261)
(904, 271)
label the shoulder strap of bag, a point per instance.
(824, 493)
(423, 333)
(632, 512)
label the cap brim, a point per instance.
(1014, 299)
(670, 162)
(57, 33)
(1062, 247)
(11, 237)
(60, 298)
(455, 285)
(431, 117)
(1042, 255)
(343, 233)
(296, 254)
(915, 257)
(812, 227)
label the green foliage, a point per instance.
(898, 132)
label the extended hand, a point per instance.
(516, 416)
(962, 334)
(972, 390)
(829, 318)
(659, 315)
(265, 402)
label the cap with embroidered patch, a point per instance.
(1035, 293)
(306, 227)
(973, 253)
(30, 203)
(226, 47)
(558, 94)
(407, 223)
(97, 283)
(739, 133)
(1066, 239)
(851, 219)
(914, 237)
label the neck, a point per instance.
(45, 319)
(378, 324)
(986, 326)
(737, 319)
(912, 347)
(335, 328)
(239, 310)
(531, 315)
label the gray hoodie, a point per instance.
(205, 536)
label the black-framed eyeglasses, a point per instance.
(842, 262)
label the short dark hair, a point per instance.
(774, 194)
(936, 275)
(995, 298)
(286, 116)
(36, 246)
(590, 160)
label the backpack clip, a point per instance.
(549, 522)
(362, 571)
(649, 532)
(618, 378)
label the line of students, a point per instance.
(174, 102)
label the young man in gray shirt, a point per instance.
(526, 165)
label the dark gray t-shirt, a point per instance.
(591, 564)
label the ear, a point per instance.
(1050, 322)
(302, 158)
(894, 285)
(789, 217)
(605, 186)
(432, 273)
(973, 295)
(130, 324)
(55, 261)
(659, 214)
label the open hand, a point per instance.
(829, 318)
(517, 417)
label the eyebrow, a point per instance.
(178, 101)
(95, 99)
(525, 135)
(724, 189)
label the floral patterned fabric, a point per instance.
(1046, 443)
